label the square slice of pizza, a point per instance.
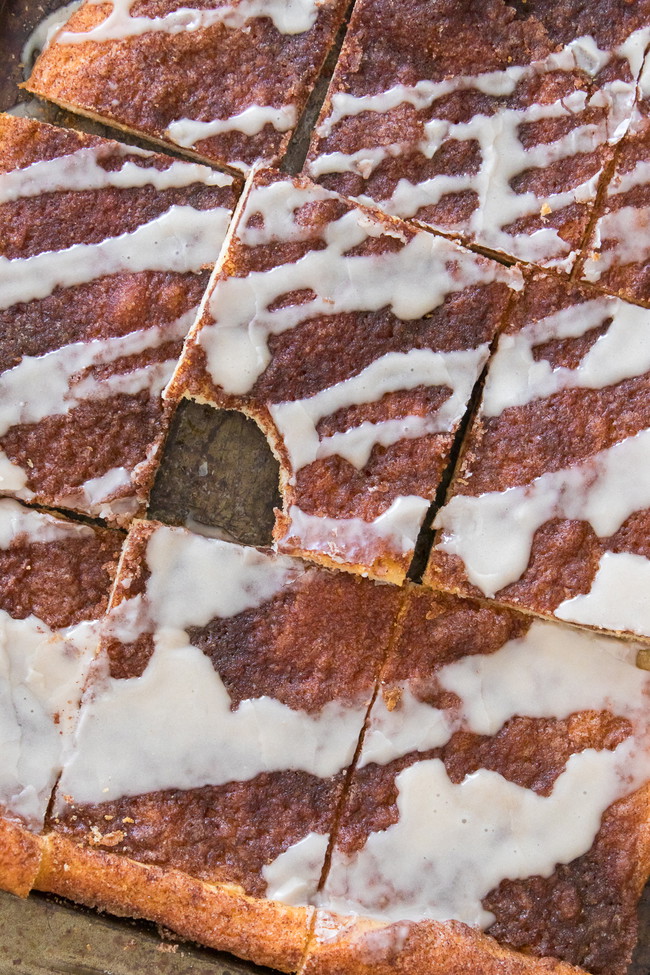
(490, 121)
(354, 340)
(549, 508)
(55, 578)
(105, 251)
(225, 81)
(497, 819)
(215, 735)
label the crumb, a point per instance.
(392, 697)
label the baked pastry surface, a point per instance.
(355, 341)
(494, 126)
(217, 735)
(224, 81)
(105, 254)
(55, 580)
(470, 801)
(548, 509)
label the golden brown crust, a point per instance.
(20, 858)
(364, 947)
(266, 932)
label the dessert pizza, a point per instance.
(224, 81)
(497, 787)
(215, 736)
(549, 508)
(295, 754)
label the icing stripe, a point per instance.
(297, 421)
(81, 170)
(493, 533)
(187, 132)
(182, 239)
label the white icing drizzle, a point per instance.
(58, 381)
(287, 16)
(41, 677)
(296, 421)
(81, 170)
(493, 533)
(182, 239)
(618, 598)
(96, 496)
(411, 281)
(516, 379)
(542, 675)
(412, 725)
(187, 132)
(623, 182)
(538, 675)
(182, 589)
(503, 156)
(453, 843)
(393, 532)
(626, 232)
(14, 479)
(174, 727)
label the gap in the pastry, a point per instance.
(395, 632)
(294, 158)
(217, 474)
(71, 117)
(426, 535)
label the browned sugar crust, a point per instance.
(546, 435)
(326, 350)
(20, 857)
(144, 83)
(221, 834)
(266, 932)
(83, 312)
(363, 947)
(61, 582)
(585, 912)
(60, 453)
